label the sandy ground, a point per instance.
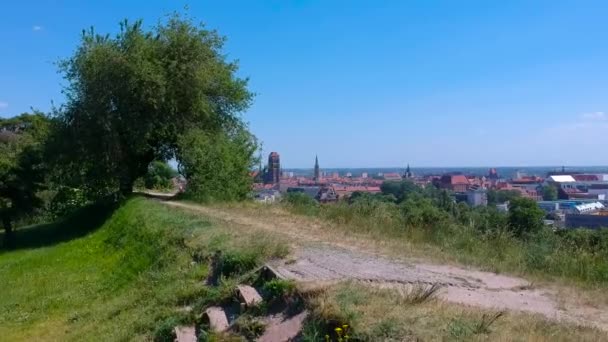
(315, 259)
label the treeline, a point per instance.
(133, 101)
(516, 241)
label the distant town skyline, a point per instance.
(366, 84)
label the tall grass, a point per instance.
(581, 256)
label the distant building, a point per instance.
(317, 174)
(408, 173)
(364, 175)
(327, 194)
(493, 174)
(477, 197)
(592, 219)
(456, 183)
(392, 177)
(267, 196)
(273, 175)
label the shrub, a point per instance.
(234, 263)
(278, 289)
(66, 201)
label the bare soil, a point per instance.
(315, 259)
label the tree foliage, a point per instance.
(401, 190)
(525, 216)
(159, 176)
(502, 196)
(217, 165)
(22, 170)
(549, 193)
(131, 97)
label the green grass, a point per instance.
(120, 277)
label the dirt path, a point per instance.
(315, 259)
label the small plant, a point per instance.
(235, 263)
(278, 289)
(420, 293)
(164, 331)
(341, 334)
(460, 329)
(249, 327)
(483, 326)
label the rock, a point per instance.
(185, 334)
(249, 295)
(282, 329)
(216, 317)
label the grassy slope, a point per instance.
(119, 282)
(125, 280)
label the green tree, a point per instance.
(502, 196)
(525, 216)
(130, 98)
(549, 193)
(22, 167)
(217, 165)
(160, 175)
(401, 190)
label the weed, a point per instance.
(249, 326)
(483, 326)
(277, 289)
(421, 293)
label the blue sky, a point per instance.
(371, 83)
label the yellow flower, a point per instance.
(345, 326)
(338, 330)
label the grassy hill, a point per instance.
(126, 274)
(122, 280)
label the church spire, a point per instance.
(408, 172)
(317, 174)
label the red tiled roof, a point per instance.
(459, 180)
(586, 178)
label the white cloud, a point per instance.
(36, 28)
(595, 116)
(3, 105)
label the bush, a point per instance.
(159, 176)
(278, 289)
(234, 263)
(66, 201)
(525, 217)
(301, 203)
(217, 166)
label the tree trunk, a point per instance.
(126, 185)
(8, 231)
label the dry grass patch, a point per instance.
(375, 314)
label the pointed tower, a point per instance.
(317, 175)
(408, 172)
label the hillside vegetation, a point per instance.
(429, 221)
(123, 280)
